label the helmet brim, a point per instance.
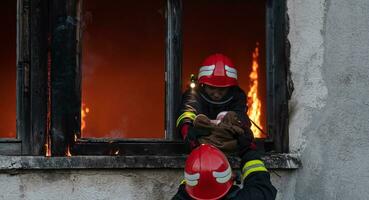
(214, 194)
(218, 81)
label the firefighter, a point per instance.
(208, 175)
(217, 90)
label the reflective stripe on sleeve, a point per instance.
(187, 114)
(183, 182)
(253, 166)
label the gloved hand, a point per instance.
(232, 118)
(192, 134)
(245, 143)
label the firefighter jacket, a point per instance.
(196, 101)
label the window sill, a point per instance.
(272, 161)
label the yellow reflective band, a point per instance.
(252, 162)
(253, 166)
(183, 182)
(256, 169)
(190, 115)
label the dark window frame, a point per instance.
(31, 81)
(170, 145)
(50, 29)
(279, 82)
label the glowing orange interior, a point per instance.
(123, 69)
(8, 68)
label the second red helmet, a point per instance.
(218, 70)
(208, 175)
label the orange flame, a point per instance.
(84, 111)
(254, 102)
(68, 152)
(48, 121)
(47, 150)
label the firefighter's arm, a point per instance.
(188, 112)
(256, 182)
(255, 176)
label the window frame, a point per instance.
(13, 146)
(51, 29)
(62, 89)
(30, 81)
(279, 82)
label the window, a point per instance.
(105, 78)
(119, 88)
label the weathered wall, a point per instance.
(90, 184)
(329, 114)
(329, 120)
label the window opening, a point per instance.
(123, 64)
(117, 68)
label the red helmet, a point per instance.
(218, 70)
(208, 174)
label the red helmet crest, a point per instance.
(218, 70)
(208, 174)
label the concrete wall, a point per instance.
(329, 120)
(329, 110)
(90, 184)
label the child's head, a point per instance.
(219, 118)
(221, 115)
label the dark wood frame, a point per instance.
(14, 146)
(49, 29)
(31, 81)
(279, 84)
(65, 79)
(171, 144)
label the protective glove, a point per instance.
(244, 142)
(247, 147)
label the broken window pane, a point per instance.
(123, 69)
(8, 68)
(235, 29)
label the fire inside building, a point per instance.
(113, 64)
(98, 84)
(123, 60)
